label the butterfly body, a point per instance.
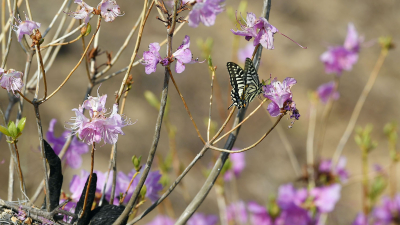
(245, 83)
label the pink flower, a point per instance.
(266, 35)
(249, 30)
(280, 95)
(109, 10)
(151, 58)
(205, 11)
(237, 212)
(75, 150)
(77, 185)
(259, 214)
(11, 80)
(238, 164)
(325, 198)
(340, 58)
(326, 91)
(83, 13)
(202, 219)
(245, 52)
(161, 220)
(183, 55)
(262, 31)
(98, 127)
(25, 27)
(325, 166)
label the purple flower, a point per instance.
(237, 212)
(245, 52)
(202, 219)
(153, 185)
(259, 214)
(325, 198)
(77, 185)
(74, 151)
(290, 201)
(183, 55)
(109, 10)
(249, 30)
(340, 171)
(280, 95)
(326, 91)
(266, 35)
(205, 11)
(161, 220)
(340, 58)
(98, 127)
(11, 80)
(361, 219)
(259, 29)
(83, 13)
(238, 164)
(387, 211)
(151, 58)
(21, 214)
(25, 27)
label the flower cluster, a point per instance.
(338, 173)
(98, 127)
(152, 183)
(25, 27)
(11, 80)
(292, 206)
(108, 9)
(75, 150)
(340, 58)
(196, 219)
(386, 213)
(204, 11)
(183, 56)
(327, 91)
(281, 96)
(259, 29)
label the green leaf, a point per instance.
(4, 131)
(21, 125)
(12, 129)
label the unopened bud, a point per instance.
(85, 31)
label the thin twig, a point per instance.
(171, 187)
(186, 107)
(253, 145)
(40, 131)
(236, 127)
(12, 18)
(310, 145)
(90, 180)
(359, 105)
(73, 70)
(21, 177)
(63, 43)
(129, 186)
(210, 109)
(55, 18)
(223, 125)
(39, 55)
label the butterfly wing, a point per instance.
(238, 83)
(253, 85)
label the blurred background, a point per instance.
(315, 24)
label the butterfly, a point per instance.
(245, 83)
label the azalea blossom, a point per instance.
(325, 198)
(83, 13)
(265, 36)
(340, 58)
(25, 27)
(238, 164)
(99, 126)
(161, 220)
(259, 214)
(202, 219)
(280, 95)
(109, 10)
(339, 171)
(151, 58)
(75, 150)
(183, 55)
(245, 52)
(327, 91)
(237, 212)
(205, 11)
(11, 80)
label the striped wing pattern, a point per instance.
(238, 84)
(245, 83)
